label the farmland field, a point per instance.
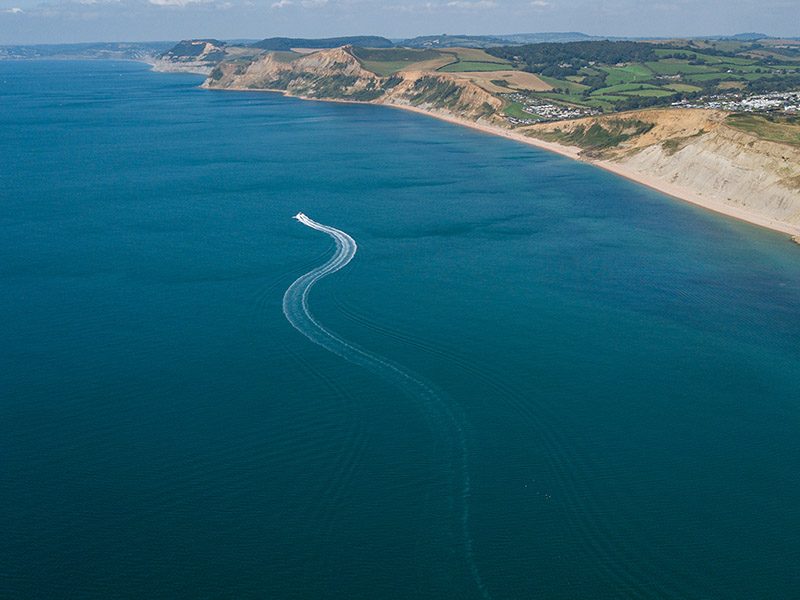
(514, 109)
(611, 76)
(627, 74)
(466, 66)
(386, 61)
(682, 87)
(563, 84)
(624, 87)
(474, 55)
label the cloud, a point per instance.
(178, 3)
(16, 10)
(472, 4)
(540, 3)
(304, 3)
(413, 8)
(441, 7)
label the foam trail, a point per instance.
(295, 307)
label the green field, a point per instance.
(606, 98)
(565, 98)
(467, 66)
(474, 55)
(652, 77)
(651, 93)
(709, 76)
(285, 57)
(709, 58)
(384, 69)
(395, 54)
(386, 61)
(514, 109)
(471, 60)
(727, 76)
(751, 76)
(624, 87)
(628, 74)
(785, 130)
(601, 103)
(671, 66)
(574, 88)
(682, 87)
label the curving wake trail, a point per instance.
(295, 307)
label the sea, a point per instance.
(489, 372)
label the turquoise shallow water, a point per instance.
(623, 366)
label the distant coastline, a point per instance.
(675, 191)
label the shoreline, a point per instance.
(674, 191)
(573, 152)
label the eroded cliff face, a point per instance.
(192, 56)
(337, 75)
(696, 150)
(446, 94)
(732, 167)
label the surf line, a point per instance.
(297, 312)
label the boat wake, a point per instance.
(295, 307)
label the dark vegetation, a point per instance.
(775, 84)
(590, 73)
(596, 75)
(394, 54)
(188, 50)
(191, 48)
(596, 137)
(561, 60)
(438, 91)
(777, 128)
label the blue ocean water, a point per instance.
(623, 366)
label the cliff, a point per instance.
(694, 153)
(201, 56)
(337, 75)
(193, 56)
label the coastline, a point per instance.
(573, 152)
(674, 191)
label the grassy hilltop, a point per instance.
(713, 121)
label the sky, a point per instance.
(61, 21)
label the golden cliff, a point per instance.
(696, 155)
